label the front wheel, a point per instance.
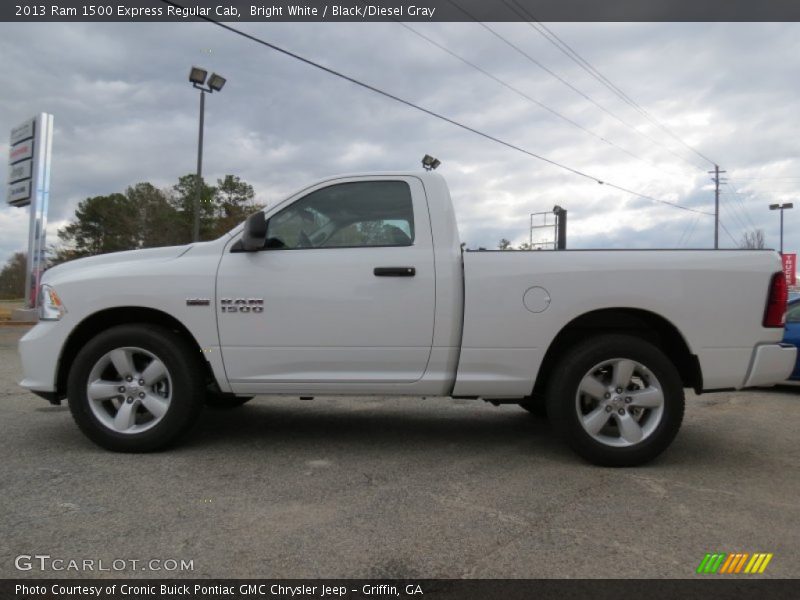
(617, 400)
(135, 388)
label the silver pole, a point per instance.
(40, 200)
(199, 181)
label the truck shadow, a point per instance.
(390, 427)
(788, 389)
(441, 427)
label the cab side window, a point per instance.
(346, 215)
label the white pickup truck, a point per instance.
(358, 285)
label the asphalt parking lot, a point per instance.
(383, 488)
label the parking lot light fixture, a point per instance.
(781, 207)
(216, 82)
(197, 77)
(429, 162)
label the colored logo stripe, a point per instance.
(735, 562)
(727, 564)
(758, 563)
(710, 563)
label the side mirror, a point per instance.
(255, 232)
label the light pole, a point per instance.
(197, 77)
(781, 207)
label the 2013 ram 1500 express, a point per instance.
(358, 285)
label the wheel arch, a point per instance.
(111, 317)
(632, 321)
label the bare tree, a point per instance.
(504, 244)
(752, 239)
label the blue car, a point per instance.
(791, 333)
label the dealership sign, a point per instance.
(20, 152)
(30, 147)
(19, 193)
(20, 163)
(20, 171)
(22, 132)
(790, 268)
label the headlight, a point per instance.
(50, 305)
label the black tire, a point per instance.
(187, 387)
(536, 406)
(562, 401)
(219, 401)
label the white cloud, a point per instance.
(124, 113)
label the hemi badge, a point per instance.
(198, 302)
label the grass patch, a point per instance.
(8, 306)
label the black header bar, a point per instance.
(412, 10)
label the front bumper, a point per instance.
(771, 364)
(39, 350)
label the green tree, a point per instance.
(102, 224)
(234, 202)
(12, 277)
(147, 217)
(182, 200)
(158, 219)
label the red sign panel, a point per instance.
(790, 268)
(20, 152)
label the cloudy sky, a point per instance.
(125, 113)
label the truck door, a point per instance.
(342, 292)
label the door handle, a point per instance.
(395, 271)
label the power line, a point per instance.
(433, 113)
(736, 212)
(768, 178)
(730, 208)
(736, 207)
(725, 229)
(691, 233)
(572, 87)
(765, 192)
(524, 95)
(739, 198)
(565, 48)
(689, 225)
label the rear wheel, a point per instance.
(135, 388)
(617, 400)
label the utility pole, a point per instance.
(716, 181)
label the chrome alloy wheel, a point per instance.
(129, 390)
(619, 402)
